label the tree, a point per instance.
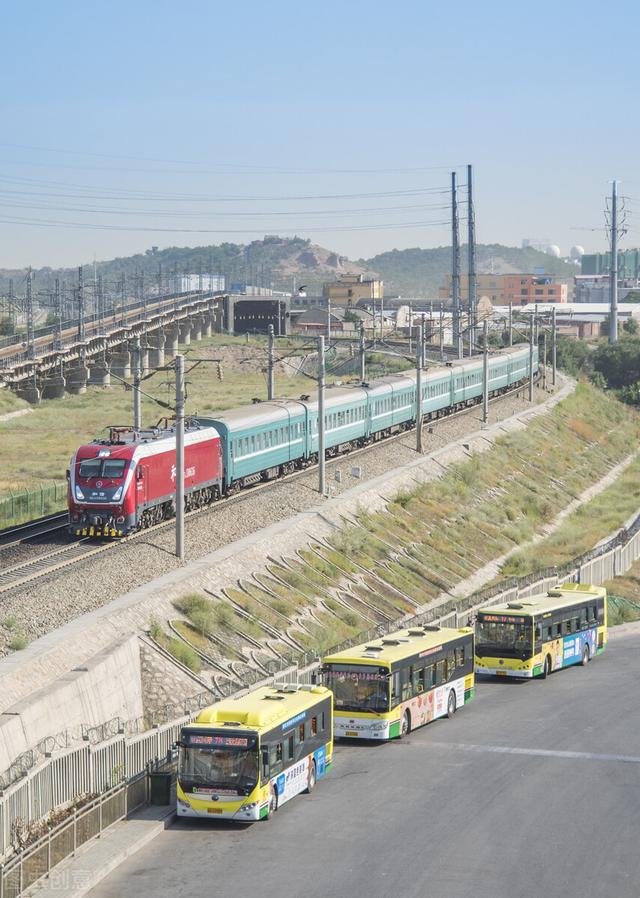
(619, 363)
(598, 380)
(573, 356)
(631, 326)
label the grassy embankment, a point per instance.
(428, 540)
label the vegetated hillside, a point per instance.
(278, 262)
(283, 263)
(396, 561)
(419, 272)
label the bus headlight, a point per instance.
(183, 803)
(379, 725)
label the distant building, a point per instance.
(599, 263)
(595, 288)
(210, 282)
(350, 289)
(518, 289)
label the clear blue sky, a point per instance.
(139, 115)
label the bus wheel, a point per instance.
(547, 668)
(405, 727)
(451, 705)
(585, 656)
(312, 778)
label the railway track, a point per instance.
(51, 523)
(51, 562)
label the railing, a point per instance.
(38, 858)
(17, 508)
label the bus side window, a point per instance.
(460, 656)
(275, 758)
(290, 748)
(548, 632)
(441, 671)
(429, 676)
(537, 636)
(406, 684)
(395, 688)
(314, 726)
(451, 664)
(301, 733)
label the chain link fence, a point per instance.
(18, 508)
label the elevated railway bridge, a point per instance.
(63, 361)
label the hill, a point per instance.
(287, 262)
(419, 272)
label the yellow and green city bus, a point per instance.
(533, 637)
(243, 758)
(385, 688)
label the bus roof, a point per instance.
(398, 645)
(563, 596)
(261, 709)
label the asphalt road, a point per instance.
(533, 789)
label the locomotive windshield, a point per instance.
(102, 467)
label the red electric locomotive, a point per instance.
(128, 481)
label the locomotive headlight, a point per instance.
(79, 493)
(118, 494)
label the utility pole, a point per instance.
(143, 297)
(179, 363)
(382, 318)
(613, 268)
(159, 278)
(137, 378)
(544, 360)
(510, 324)
(270, 385)
(57, 304)
(423, 340)
(455, 269)
(321, 467)
(553, 346)
(472, 285)
(441, 333)
(80, 304)
(419, 389)
(485, 371)
(100, 302)
(362, 354)
(30, 335)
(531, 358)
(328, 322)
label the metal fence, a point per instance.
(35, 503)
(85, 821)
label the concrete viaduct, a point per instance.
(106, 348)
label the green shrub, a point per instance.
(18, 641)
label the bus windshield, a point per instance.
(214, 762)
(358, 687)
(501, 634)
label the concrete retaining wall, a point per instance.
(107, 685)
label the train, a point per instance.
(268, 439)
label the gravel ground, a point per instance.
(39, 545)
(52, 601)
